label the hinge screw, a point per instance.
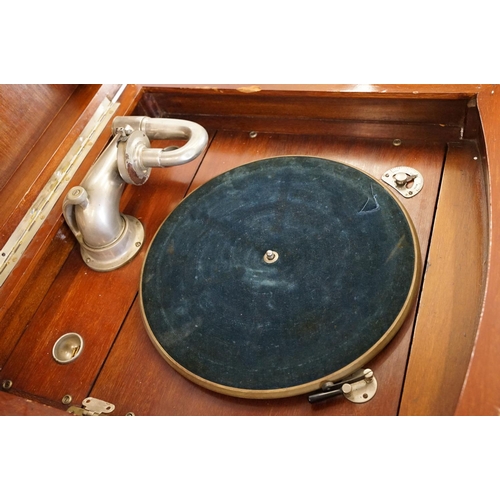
(6, 384)
(66, 400)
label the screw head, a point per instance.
(270, 256)
(327, 385)
(6, 384)
(66, 400)
(400, 178)
(346, 388)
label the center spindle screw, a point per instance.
(270, 256)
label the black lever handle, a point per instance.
(321, 396)
(330, 390)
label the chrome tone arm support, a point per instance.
(91, 210)
(109, 239)
(165, 128)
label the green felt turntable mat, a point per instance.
(337, 283)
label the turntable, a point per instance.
(280, 276)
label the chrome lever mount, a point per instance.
(360, 387)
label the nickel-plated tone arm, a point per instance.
(108, 239)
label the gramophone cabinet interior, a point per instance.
(52, 291)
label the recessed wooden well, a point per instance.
(435, 129)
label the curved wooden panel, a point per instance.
(481, 391)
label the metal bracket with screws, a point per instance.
(360, 387)
(406, 180)
(92, 407)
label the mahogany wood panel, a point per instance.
(481, 391)
(136, 378)
(453, 288)
(47, 154)
(25, 112)
(90, 303)
(17, 317)
(297, 104)
(472, 128)
(16, 406)
(36, 168)
(478, 397)
(369, 130)
(320, 113)
(389, 91)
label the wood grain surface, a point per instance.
(51, 291)
(16, 406)
(90, 303)
(31, 176)
(42, 151)
(311, 113)
(26, 111)
(18, 316)
(481, 392)
(452, 291)
(300, 104)
(165, 392)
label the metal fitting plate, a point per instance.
(92, 407)
(363, 390)
(406, 180)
